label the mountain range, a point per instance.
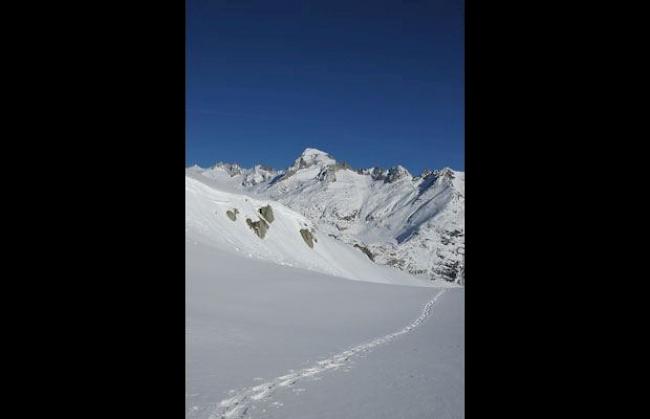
(413, 224)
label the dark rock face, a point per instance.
(267, 213)
(396, 173)
(307, 237)
(449, 270)
(366, 251)
(376, 173)
(348, 217)
(395, 262)
(232, 214)
(259, 227)
(328, 174)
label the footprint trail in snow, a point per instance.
(238, 405)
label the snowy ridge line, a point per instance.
(238, 405)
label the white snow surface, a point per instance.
(270, 341)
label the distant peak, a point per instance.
(426, 173)
(313, 152)
(446, 171)
(396, 173)
(311, 157)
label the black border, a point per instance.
(99, 296)
(101, 198)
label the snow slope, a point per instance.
(418, 375)
(278, 329)
(206, 222)
(412, 223)
(272, 341)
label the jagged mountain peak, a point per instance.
(445, 171)
(311, 157)
(314, 152)
(232, 169)
(397, 172)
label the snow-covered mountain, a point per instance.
(287, 319)
(267, 230)
(412, 223)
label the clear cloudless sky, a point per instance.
(374, 83)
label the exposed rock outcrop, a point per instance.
(307, 237)
(366, 251)
(396, 173)
(232, 214)
(260, 227)
(267, 213)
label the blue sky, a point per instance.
(374, 83)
